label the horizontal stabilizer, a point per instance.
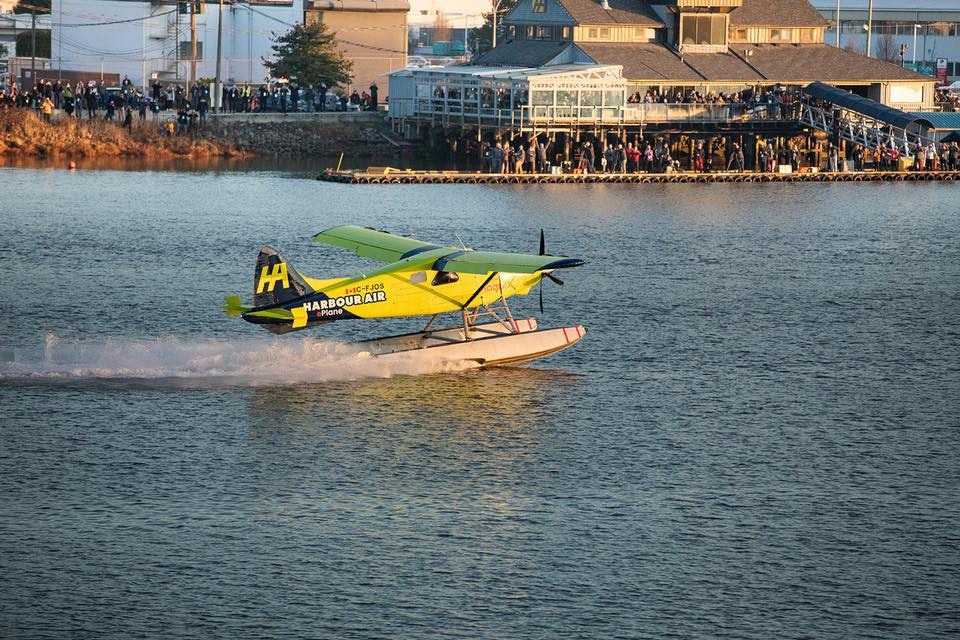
(233, 306)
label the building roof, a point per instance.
(525, 53)
(776, 13)
(940, 120)
(357, 5)
(789, 64)
(722, 67)
(804, 63)
(642, 61)
(627, 12)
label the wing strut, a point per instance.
(463, 309)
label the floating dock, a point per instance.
(399, 176)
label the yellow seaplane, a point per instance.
(419, 279)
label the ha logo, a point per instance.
(268, 279)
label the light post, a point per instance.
(869, 25)
(838, 24)
(496, 8)
(217, 92)
(915, 27)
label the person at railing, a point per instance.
(507, 157)
(832, 158)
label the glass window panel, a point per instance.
(613, 98)
(718, 30)
(566, 98)
(604, 32)
(542, 97)
(590, 98)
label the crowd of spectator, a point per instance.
(95, 100)
(657, 155)
(947, 100)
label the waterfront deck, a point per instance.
(389, 176)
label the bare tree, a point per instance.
(886, 48)
(853, 44)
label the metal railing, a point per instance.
(859, 129)
(540, 116)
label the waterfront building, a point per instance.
(700, 45)
(927, 30)
(616, 71)
(604, 58)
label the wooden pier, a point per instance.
(399, 176)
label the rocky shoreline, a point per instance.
(23, 134)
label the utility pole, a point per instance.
(193, 47)
(869, 25)
(33, 43)
(217, 91)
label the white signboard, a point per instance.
(900, 93)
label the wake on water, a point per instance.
(275, 361)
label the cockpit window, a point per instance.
(444, 277)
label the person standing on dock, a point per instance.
(497, 158)
(832, 158)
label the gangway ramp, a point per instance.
(860, 120)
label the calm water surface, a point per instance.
(758, 437)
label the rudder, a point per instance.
(275, 281)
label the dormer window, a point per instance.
(703, 28)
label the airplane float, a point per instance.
(419, 279)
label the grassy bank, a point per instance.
(24, 133)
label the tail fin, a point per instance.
(276, 281)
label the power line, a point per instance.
(99, 24)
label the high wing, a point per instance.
(390, 248)
(481, 262)
(370, 243)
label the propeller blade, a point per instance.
(554, 278)
(543, 247)
(541, 295)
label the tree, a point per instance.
(309, 54)
(25, 43)
(484, 34)
(27, 6)
(886, 48)
(853, 45)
